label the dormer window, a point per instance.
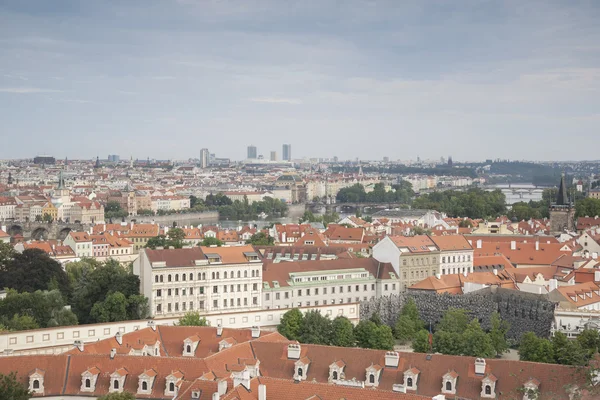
(449, 381)
(301, 369)
(335, 375)
(409, 382)
(89, 379)
(488, 387)
(172, 383)
(373, 372)
(117, 380)
(189, 345)
(146, 381)
(531, 389)
(410, 378)
(36, 381)
(336, 371)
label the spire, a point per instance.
(561, 198)
(97, 162)
(61, 180)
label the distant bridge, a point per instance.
(42, 230)
(350, 207)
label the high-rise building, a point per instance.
(286, 154)
(114, 158)
(273, 156)
(204, 157)
(252, 152)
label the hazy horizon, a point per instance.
(372, 79)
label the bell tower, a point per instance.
(562, 212)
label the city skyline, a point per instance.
(505, 79)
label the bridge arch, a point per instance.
(62, 235)
(15, 230)
(40, 233)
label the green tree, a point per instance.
(315, 328)
(21, 323)
(112, 308)
(33, 270)
(455, 320)
(589, 339)
(113, 209)
(192, 318)
(447, 342)
(498, 333)
(176, 234)
(290, 324)
(11, 388)
(567, 352)
(117, 396)
(47, 218)
(408, 323)
(46, 308)
(261, 239)
(211, 241)
(369, 335)
(158, 241)
(420, 343)
(588, 206)
(533, 348)
(7, 253)
(476, 343)
(384, 338)
(342, 332)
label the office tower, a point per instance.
(204, 156)
(114, 158)
(273, 156)
(252, 152)
(286, 154)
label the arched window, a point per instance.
(213, 275)
(335, 375)
(116, 384)
(188, 349)
(204, 276)
(176, 277)
(448, 386)
(156, 279)
(253, 273)
(191, 276)
(372, 378)
(161, 278)
(199, 276)
(88, 383)
(225, 275)
(218, 275)
(299, 371)
(409, 382)
(144, 385)
(245, 274)
(171, 387)
(36, 384)
(183, 276)
(488, 389)
(239, 274)
(169, 278)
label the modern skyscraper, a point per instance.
(252, 152)
(273, 156)
(204, 156)
(286, 154)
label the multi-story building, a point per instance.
(7, 208)
(252, 153)
(286, 152)
(81, 243)
(138, 234)
(594, 193)
(87, 212)
(167, 203)
(322, 282)
(204, 158)
(205, 279)
(456, 254)
(51, 210)
(107, 246)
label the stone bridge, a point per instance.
(318, 207)
(42, 230)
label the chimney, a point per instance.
(495, 271)
(596, 276)
(262, 392)
(391, 359)
(222, 387)
(131, 225)
(215, 396)
(255, 331)
(537, 245)
(119, 338)
(294, 351)
(113, 353)
(219, 330)
(152, 325)
(552, 284)
(479, 242)
(465, 273)
(595, 255)
(513, 245)
(479, 366)
(79, 344)
(438, 276)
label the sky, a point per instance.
(474, 79)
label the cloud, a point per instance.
(27, 90)
(275, 100)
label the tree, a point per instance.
(588, 206)
(567, 352)
(315, 328)
(261, 239)
(447, 342)
(117, 396)
(113, 209)
(420, 343)
(192, 318)
(112, 308)
(45, 308)
(290, 324)
(7, 253)
(47, 218)
(342, 332)
(409, 322)
(11, 388)
(476, 343)
(34, 270)
(455, 320)
(211, 241)
(533, 348)
(21, 323)
(384, 338)
(176, 234)
(372, 336)
(589, 339)
(158, 241)
(498, 334)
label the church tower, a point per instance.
(562, 213)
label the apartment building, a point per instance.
(323, 282)
(81, 243)
(105, 246)
(205, 279)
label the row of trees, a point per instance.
(41, 289)
(559, 349)
(473, 203)
(400, 193)
(325, 219)
(587, 206)
(315, 328)
(233, 210)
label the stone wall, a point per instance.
(523, 311)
